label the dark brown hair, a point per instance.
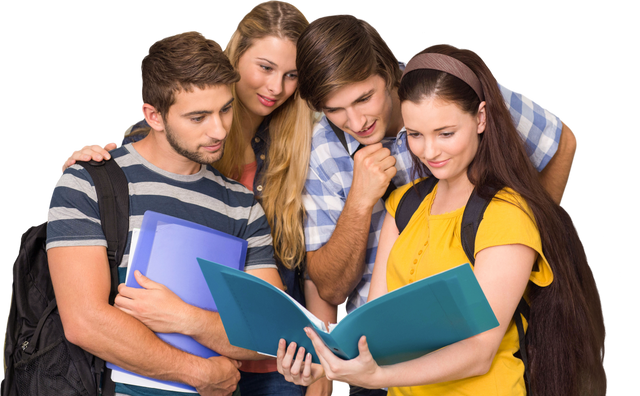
(182, 62)
(339, 50)
(565, 338)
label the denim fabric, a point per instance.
(267, 384)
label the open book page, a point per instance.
(317, 322)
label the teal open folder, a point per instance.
(401, 325)
(166, 253)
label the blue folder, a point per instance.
(401, 325)
(167, 252)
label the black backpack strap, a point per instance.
(411, 200)
(471, 218)
(523, 311)
(112, 189)
(340, 134)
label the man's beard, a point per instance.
(194, 156)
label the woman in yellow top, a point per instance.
(459, 131)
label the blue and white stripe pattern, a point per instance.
(331, 174)
(206, 197)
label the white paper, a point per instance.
(134, 242)
(314, 319)
(126, 378)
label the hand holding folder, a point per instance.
(166, 252)
(401, 325)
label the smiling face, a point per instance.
(268, 75)
(442, 136)
(198, 122)
(363, 109)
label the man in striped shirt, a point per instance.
(188, 104)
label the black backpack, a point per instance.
(38, 359)
(471, 218)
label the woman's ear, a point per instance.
(482, 117)
(153, 117)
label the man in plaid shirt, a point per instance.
(360, 153)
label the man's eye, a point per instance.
(197, 119)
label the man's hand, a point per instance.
(155, 305)
(221, 377)
(373, 169)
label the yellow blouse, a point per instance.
(431, 244)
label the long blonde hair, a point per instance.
(290, 131)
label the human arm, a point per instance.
(337, 266)
(549, 143)
(555, 175)
(388, 236)
(163, 311)
(503, 273)
(81, 281)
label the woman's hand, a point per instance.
(362, 371)
(88, 153)
(297, 368)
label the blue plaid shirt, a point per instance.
(331, 174)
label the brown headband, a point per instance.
(446, 64)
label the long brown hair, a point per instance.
(290, 130)
(565, 338)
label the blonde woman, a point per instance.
(267, 150)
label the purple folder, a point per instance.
(167, 252)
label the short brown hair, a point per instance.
(340, 50)
(182, 62)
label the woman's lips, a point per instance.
(266, 101)
(437, 164)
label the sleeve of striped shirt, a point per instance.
(539, 129)
(74, 216)
(259, 240)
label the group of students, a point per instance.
(321, 123)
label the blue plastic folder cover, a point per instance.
(401, 325)
(167, 252)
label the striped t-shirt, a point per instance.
(206, 198)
